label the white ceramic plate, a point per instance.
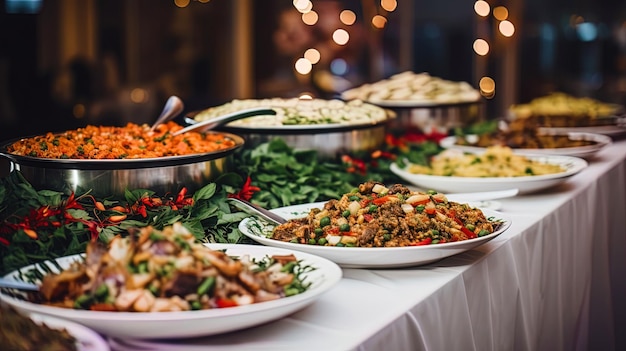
(157, 325)
(525, 184)
(86, 339)
(600, 141)
(365, 257)
(611, 130)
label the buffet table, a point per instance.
(552, 281)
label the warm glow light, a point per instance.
(481, 47)
(379, 21)
(341, 37)
(79, 111)
(310, 18)
(507, 28)
(204, 1)
(482, 8)
(138, 95)
(388, 5)
(487, 87)
(500, 13)
(347, 17)
(312, 55)
(306, 96)
(181, 3)
(303, 6)
(303, 66)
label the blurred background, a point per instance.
(68, 63)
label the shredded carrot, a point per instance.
(129, 142)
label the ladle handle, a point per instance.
(221, 120)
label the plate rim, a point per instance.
(601, 140)
(578, 164)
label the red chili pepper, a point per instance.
(470, 234)
(221, 303)
(368, 217)
(247, 191)
(4, 241)
(426, 241)
(381, 200)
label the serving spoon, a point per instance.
(173, 107)
(223, 119)
(19, 285)
(256, 210)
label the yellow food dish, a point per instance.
(496, 161)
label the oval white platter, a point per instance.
(159, 325)
(600, 141)
(366, 257)
(525, 184)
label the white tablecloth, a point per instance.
(555, 280)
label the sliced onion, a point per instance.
(354, 207)
(418, 198)
(407, 208)
(377, 188)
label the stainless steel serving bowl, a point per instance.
(112, 177)
(435, 117)
(330, 141)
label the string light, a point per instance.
(506, 28)
(487, 87)
(310, 18)
(482, 8)
(303, 66)
(313, 55)
(481, 47)
(347, 17)
(181, 3)
(379, 21)
(341, 36)
(388, 5)
(500, 13)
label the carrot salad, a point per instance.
(132, 141)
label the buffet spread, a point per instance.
(126, 231)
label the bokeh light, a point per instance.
(481, 47)
(341, 36)
(347, 17)
(138, 95)
(482, 8)
(303, 66)
(181, 3)
(310, 18)
(379, 21)
(500, 13)
(313, 55)
(487, 87)
(506, 28)
(303, 6)
(338, 67)
(388, 5)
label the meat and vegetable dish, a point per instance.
(18, 332)
(378, 216)
(157, 271)
(132, 141)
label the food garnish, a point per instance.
(378, 216)
(157, 271)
